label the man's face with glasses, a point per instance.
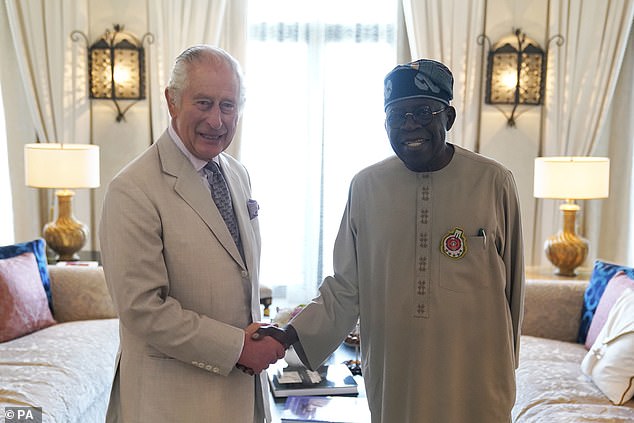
(417, 129)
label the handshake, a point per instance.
(263, 346)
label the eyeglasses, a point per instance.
(423, 116)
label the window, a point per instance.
(313, 118)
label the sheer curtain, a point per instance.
(6, 211)
(54, 83)
(40, 31)
(447, 31)
(313, 118)
(582, 76)
(615, 234)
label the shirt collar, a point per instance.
(195, 161)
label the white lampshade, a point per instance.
(573, 178)
(64, 166)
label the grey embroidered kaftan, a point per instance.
(439, 325)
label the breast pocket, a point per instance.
(474, 270)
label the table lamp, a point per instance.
(63, 167)
(570, 179)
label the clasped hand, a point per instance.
(263, 346)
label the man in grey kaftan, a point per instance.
(429, 257)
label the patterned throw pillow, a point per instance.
(38, 248)
(601, 275)
(23, 305)
(617, 285)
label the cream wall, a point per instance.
(516, 147)
(120, 142)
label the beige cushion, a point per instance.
(552, 308)
(80, 293)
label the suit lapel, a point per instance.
(239, 201)
(189, 187)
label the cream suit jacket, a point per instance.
(182, 291)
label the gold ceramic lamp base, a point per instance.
(566, 250)
(66, 236)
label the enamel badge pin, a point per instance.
(454, 244)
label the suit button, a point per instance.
(201, 365)
(215, 370)
(208, 367)
(245, 274)
(195, 363)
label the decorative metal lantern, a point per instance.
(516, 72)
(116, 67)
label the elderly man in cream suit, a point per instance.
(185, 291)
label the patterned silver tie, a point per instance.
(220, 195)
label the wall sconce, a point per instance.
(570, 179)
(116, 67)
(516, 72)
(63, 166)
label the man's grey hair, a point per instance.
(202, 52)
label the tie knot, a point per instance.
(212, 167)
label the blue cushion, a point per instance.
(38, 248)
(601, 275)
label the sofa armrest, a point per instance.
(552, 308)
(80, 293)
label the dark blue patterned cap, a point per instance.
(423, 78)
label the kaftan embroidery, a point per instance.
(423, 273)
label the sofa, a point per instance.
(67, 367)
(551, 386)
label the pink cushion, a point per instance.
(23, 303)
(616, 286)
